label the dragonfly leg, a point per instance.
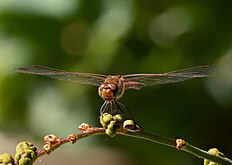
(118, 107)
(130, 113)
(104, 107)
(111, 107)
(127, 108)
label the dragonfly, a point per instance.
(112, 87)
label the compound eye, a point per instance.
(112, 86)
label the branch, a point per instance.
(26, 153)
(180, 144)
(52, 142)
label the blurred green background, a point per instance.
(116, 37)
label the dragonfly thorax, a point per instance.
(112, 88)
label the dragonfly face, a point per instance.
(112, 88)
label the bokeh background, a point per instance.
(116, 37)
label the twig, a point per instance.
(180, 145)
(52, 142)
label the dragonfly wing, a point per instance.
(137, 81)
(73, 77)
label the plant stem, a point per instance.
(86, 131)
(172, 143)
(150, 137)
(205, 155)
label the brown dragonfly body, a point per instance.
(111, 88)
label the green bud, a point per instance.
(213, 151)
(25, 153)
(112, 125)
(25, 161)
(25, 145)
(105, 119)
(129, 124)
(111, 132)
(104, 125)
(216, 152)
(118, 118)
(6, 159)
(29, 153)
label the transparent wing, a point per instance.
(137, 81)
(73, 77)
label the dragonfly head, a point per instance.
(112, 88)
(108, 91)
